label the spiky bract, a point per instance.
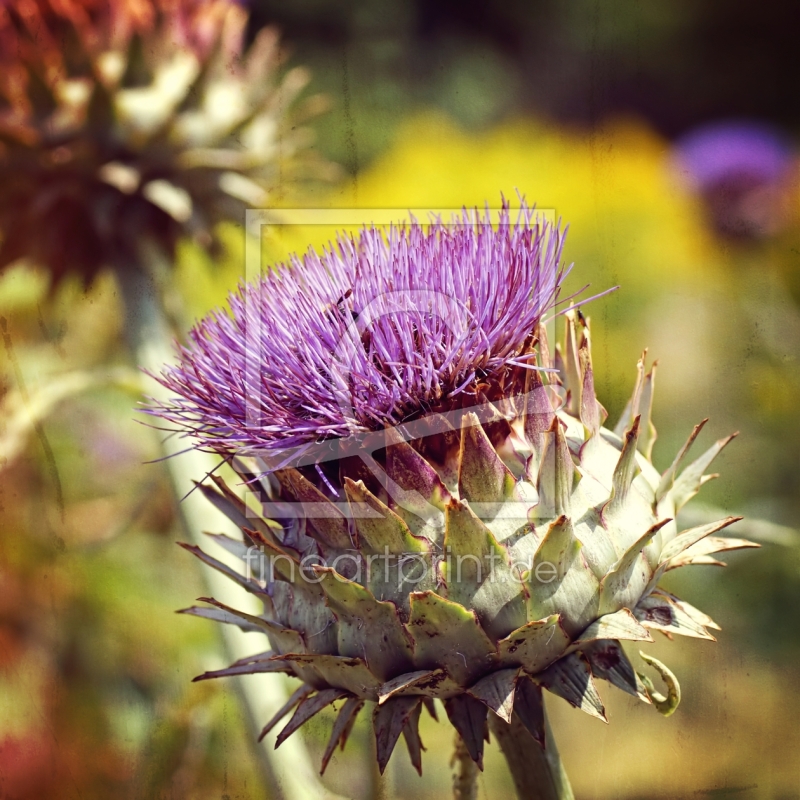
(131, 121)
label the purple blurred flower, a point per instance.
(724, 150)
(739, 168)
(367, 334)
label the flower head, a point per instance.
(369, 333)
(740, 169)
(478, 555)
(727, 151)
(130, 121)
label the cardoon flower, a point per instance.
(444, 516)
(125, 122)
(740, 169)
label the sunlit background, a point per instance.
(665, 134)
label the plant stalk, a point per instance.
(465, 777)
(150, 338)
(537, 771)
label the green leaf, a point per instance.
(496, 692)
(468, 716)
(561, 582)
(478, 573)
(389, 720)
(424, 683)
(620, 625)
(299, 604)
(226, 617)
(557, 475)
(529, 708)
(571, 678)
(627, 580)
(483, 478)
(535, 645)
(668, 478)
(661, 613)
(326, 523)
(624, 473)
(572, 369)
(282, 639)
(379, 529)
(347, 714)
(413, 742)
(247, 584)
(688, 538)
(691, 479)
(664, 705)
(649, 434)
(252, 668)
(397, 561)
(422, 495)
(367, 627)
(297, 697)
(538, 413)
(609, 662)
(351, 674)
(590, 408)
(698, 553)
(448, 635)
(309, 706)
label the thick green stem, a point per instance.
(537, 772)
(465, 777)
(291, 774)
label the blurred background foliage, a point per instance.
(675, 64)
(434, 105)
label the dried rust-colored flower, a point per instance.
(125, 121)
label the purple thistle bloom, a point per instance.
(367, 334)
(461, 507)
(740, 170)
(726, 151)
